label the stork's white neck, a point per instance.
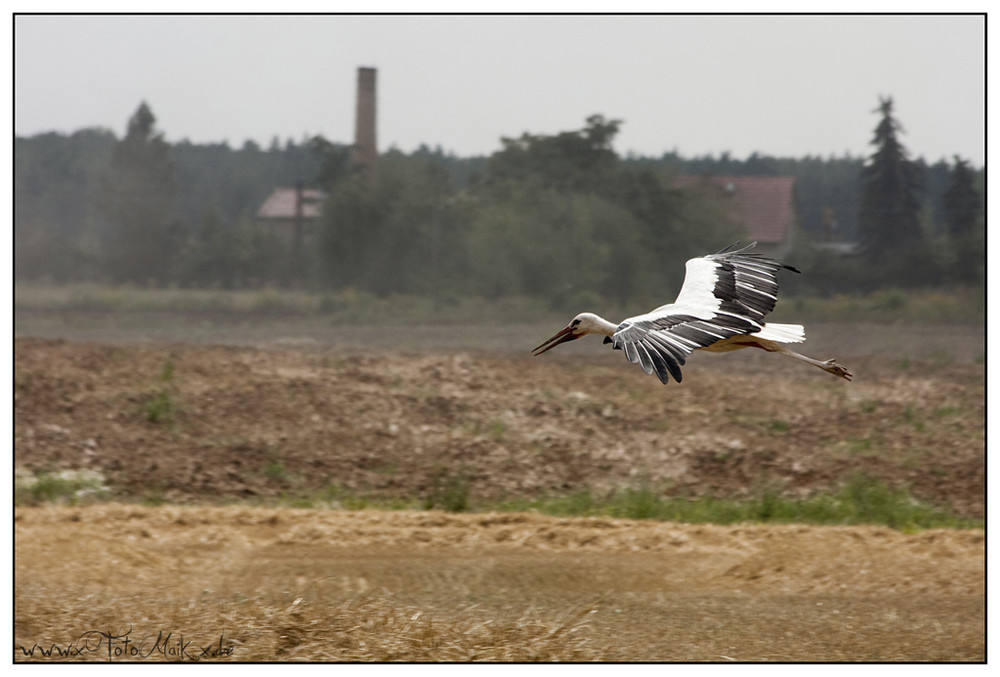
(594, 324)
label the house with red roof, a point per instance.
(764, 206)
(292, 213)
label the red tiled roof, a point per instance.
(764, 205)
(280, 204)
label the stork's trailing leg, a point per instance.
(756, 341)
(829, 366)
(771, 346)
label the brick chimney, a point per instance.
(365, 149)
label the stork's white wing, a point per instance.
(723, 295)
(696, 294)
(732, 282)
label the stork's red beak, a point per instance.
(562, 337)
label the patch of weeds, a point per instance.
(903, 364)
(332, 493)
(497, 430)
(397, 504)
(778, 427)
(637, 504)
(857, 446)
(352, 502)
(390, 469)
(160, 408)
(768, 506)
(943, 412)
(721, 455)
(941, 358)
(338, 497)
(577, 504)
(276, 471)
(913, 419)
(660, 425)
(869, 406)
(449, 492)
(154, 497)
(536, 449)
(297, 501)
(865, 500)
(167, 374)
(71, 487)
(708, 510)
(860, 500)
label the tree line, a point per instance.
(561, 217)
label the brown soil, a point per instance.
(261, 423)
(255, 424)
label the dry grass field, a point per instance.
(188, 545)
(302, 584)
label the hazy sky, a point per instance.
(778, 85)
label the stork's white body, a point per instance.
(720, 308)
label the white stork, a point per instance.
(720, 307)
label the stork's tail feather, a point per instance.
(782, 333)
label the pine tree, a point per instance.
(965, 235)
(889, 219)
(961, 201)
(142, 235)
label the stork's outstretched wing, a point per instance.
(723, 295)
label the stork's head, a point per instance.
(581, 325)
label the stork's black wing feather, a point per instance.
(746, 284)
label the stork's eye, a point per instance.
(574, 323)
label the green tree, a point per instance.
(54, 182)
(529, 240)
(142, 238)
(961, 200)
(889, 219)
(399, 235)
(208, 258)
(675, 225)
(581, 160)
(350, 223)
(564, 217)
(965, 234)
(334, 161)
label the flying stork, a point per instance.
(721, 307)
